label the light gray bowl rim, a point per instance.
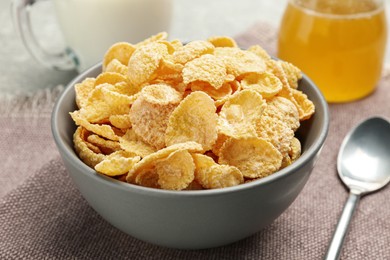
(308, 155)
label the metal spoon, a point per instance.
(363, 165)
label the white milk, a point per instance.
(90, 27)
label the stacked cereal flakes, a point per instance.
(203, 115)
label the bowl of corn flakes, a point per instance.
(192, 145)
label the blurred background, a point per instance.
(191, 20)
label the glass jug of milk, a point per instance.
(90, 27)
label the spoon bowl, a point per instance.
(363, 162)
(363, 166)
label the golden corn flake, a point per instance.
(120, 51)
(162, 36)
(192, 50)
(253, 156)
(110, 77)
(295, 151)
(265, 83)
(171, 47)
(284, 110)
(222, 41)
(292, 72)
(195, 119)
(194, 185)
(105, 131)
(200, 115)
(239, 62)
(259, 51)
(146, 177)
(240, 113)
(120, 121)
(145, 61)
(206, 68)
(103, 102)
(161, 94)
(126, 89)
(275, 131)
(119, 103)
(286, 161)
(176, 44)
(224, 133)
(95, 109)
(150, 113)
(86, 154)
(223, 92)
(191, 147)
(165, 152)
(305, 106)
(83, 91)
(275, 68)
(176, 171)
(234, 85)
(293, 154)
(212, 175)
(105, 146)
(146, 166)
(115, 164)
(117, 67)
(132, 143)
(169, 72)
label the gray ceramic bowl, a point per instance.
(191, 219)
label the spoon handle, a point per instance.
(339, 235)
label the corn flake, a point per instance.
(132, 143)
(195, 119)
(120, 51)
(305, 106)
(240, 113)
(116, 164)
(89, 156)
(150, 113)
(110, 77)
(162, 36)
(266, 84)
(292, 72)
(146, 170)
(259, 51)
(206, 68)
(213, 176)
(175, 172)
(253, 156)
(284, 110)
(192, 50)
(117, 67)
(103, 130)
(105, 146)
(83, 91)
(239, 62)
(120, 121)
(275, 131)
(222, 41)
(295, 151)
(218, 94)
(145, 61)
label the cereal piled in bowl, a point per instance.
(203, 115)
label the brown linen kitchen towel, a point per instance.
(45, 217)
(26, 143)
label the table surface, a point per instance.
(20, 73)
